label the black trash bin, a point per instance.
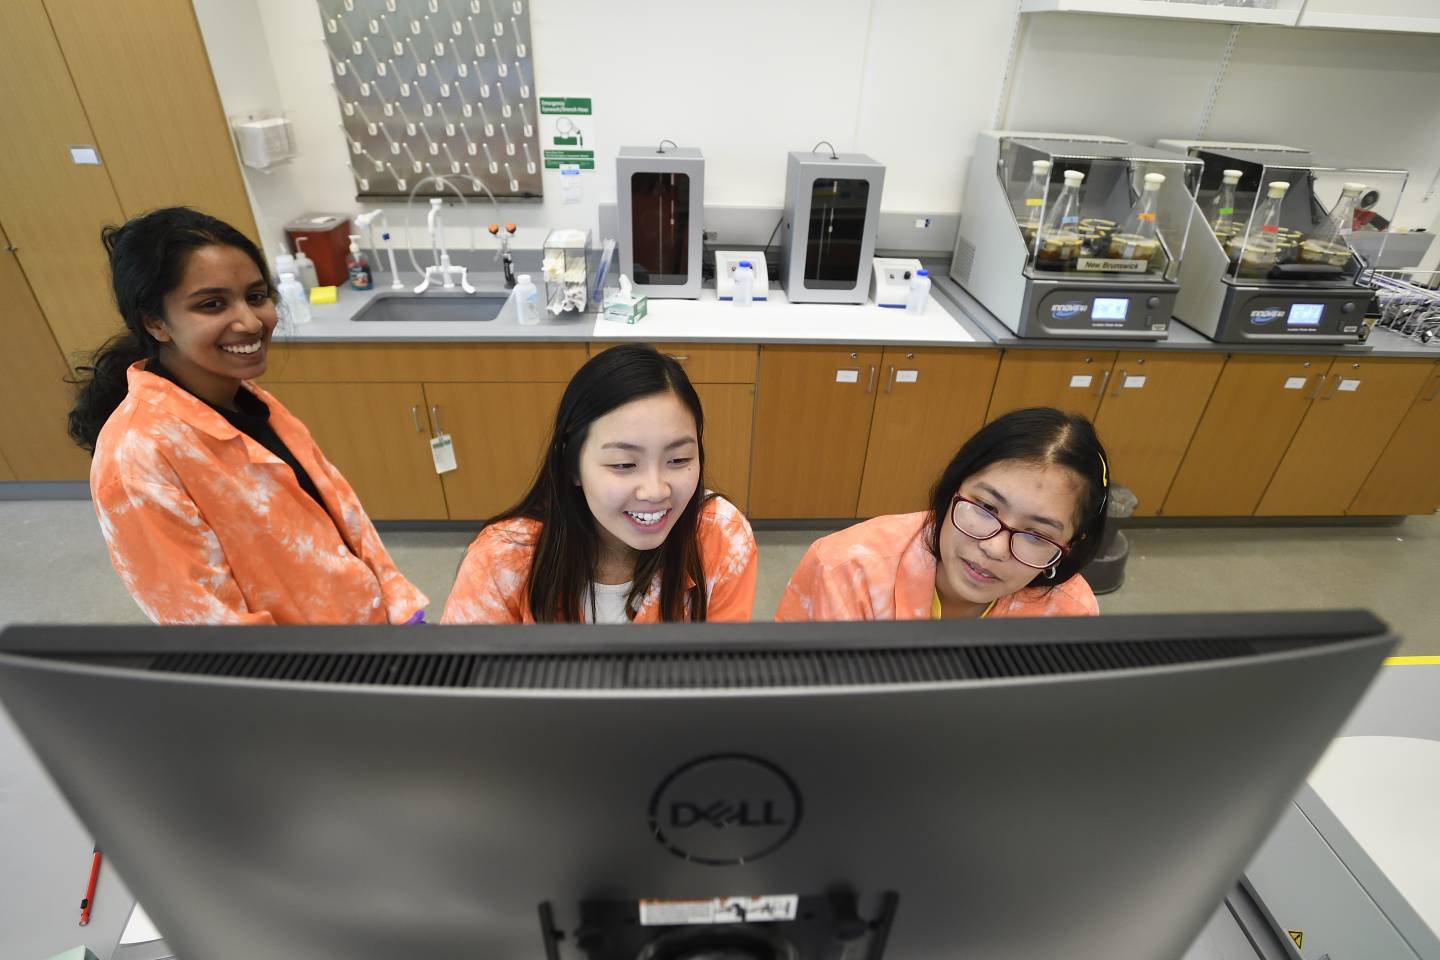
(1106, 573)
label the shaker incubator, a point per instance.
(1065, 236)
(1275, 248)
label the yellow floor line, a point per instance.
(1411, 661)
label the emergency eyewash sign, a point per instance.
(567, 137)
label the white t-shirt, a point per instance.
(609, 602)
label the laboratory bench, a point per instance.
(835, 411)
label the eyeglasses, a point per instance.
(978, 523)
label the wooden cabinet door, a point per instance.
(729, 426)
(930, 401)
(52, 208)
(1253, 414)
(375, 435)
(33, 387)
(812, 423)
(499, 431)
(1406, 479)
(145, 81)
(1342, 436)
(1149, 415)
(1071, 380)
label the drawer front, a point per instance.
(708, 362)
(424, 362)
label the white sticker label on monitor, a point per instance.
(907, 376)
(1134, 383)
(847, 376)
(1081, 380)
(767, 909)
(1349, 386)
(444, 453)
(1295, 383)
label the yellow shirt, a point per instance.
(935, 607)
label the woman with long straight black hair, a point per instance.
(617, 526)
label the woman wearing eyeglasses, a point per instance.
(1013, 519)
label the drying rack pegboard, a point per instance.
(436, 86)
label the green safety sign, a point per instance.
(584, 163)
(577, 106)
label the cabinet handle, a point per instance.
(415, 417)
(870, 384)
(1119, 385)
(1334, 385)
(1318, 385)
(435, 418)
(679, 358)
(890, 380)
(1104, 382)
(1434, 391)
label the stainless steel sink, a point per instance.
(408, 307)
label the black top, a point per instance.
(253, 420)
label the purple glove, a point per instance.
(418, 617)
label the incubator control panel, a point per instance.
(1066, 310)
(1271, 315)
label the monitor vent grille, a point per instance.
(698, 670)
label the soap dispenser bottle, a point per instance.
(357, 266)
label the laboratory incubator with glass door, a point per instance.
(1065, 236)
(1274, 252)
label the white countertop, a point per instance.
(774, 320)
(778, 320)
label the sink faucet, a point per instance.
(445, 269)
(366, 222)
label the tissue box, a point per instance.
(77, 953)
(631, 308)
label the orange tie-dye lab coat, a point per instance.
(491, 585)
(206, 526)
(882, 570)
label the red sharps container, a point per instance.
(327, 242)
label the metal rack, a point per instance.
(1406, 307)
(442, 87)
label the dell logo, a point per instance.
(745, 813)
(725, 809)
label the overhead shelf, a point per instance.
(1166, 10)
(1288, 13)
(1371, 22)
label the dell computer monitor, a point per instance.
(1084, 788)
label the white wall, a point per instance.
(908, 81)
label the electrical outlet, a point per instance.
(922, 223)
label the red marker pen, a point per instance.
(89, 900)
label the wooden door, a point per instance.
(376, 436)
(930, 402)
(1254, 411)
(1071, 380)
(146, 84)
(1148, 416)
(1342, 436)
(729, 426)
(1406, 479)
(5, 472)
(499, 431)
(812, 423)
(33, 387)
(53, 208)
